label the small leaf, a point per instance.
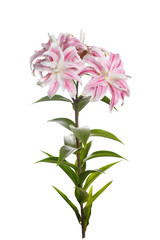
(85, 150)
(65, 122)
(71, 174)
(87, 210)
(94, 197)
(82, 133)
(70, 140)
(103, 133)
(48, 154)
(81, 195)
(83, 103)
(105, 99)
(55, 160)
(103, 154)
(94, 175)
(84, 174)
(70, 203)
(64, 152)
(54, 98)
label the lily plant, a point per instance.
(61, 63)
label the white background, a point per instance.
(29, 207)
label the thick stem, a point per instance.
(78, 157)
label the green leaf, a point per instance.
(94, 197)
(103, 133)
(105, 99)
(81, 195)
(93, 176)
(48, 154)
(65, 122)
(103, 154)
(52, 159)
(87, 210)
(70, 140)
(54, 98)
(85, 150)
(82, 133)
(71, 174)
(83, 103)
(84, 174)
(69, 203)
(64, 152)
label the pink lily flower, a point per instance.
(107, 73)
(45, 47)
(67, 40)
(64, 41)
(60, 68)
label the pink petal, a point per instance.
(53, 89)
(70, 86)
(69, 53)
(96, 52)
(115, 63)
(96, 88)
(41, 67)
(99, 93)
(88, 70)
(56, 51)
(70, 74)
(94, 62)
(115, 96)
(123, 84)
(35, 55)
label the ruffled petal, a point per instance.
(35, 55)
(115, 63)
(53, 89)
(96, 52)
(70, 86)
(72, 75)
(115, 96)
(88, 70)
(94, 62)
(41, 67)
(70, 53)
(96, 88)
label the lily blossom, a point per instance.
(107, 73)
(60, 68)
(39, 53)
(66, 40)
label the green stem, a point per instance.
(78, 157)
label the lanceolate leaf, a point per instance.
(84, 174)
(54, 98)
(107, 100)
(87, 210)
(70, 203)
(81, 195)
(103, 154)
(83, 102)
(65, 122)
(70, 140)
(48, 154)
(85, 150)
(103, 133)
(82, 133)
(94, 175)
(55, 160)
(71, 174)
(94, 197)
(64, 152)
